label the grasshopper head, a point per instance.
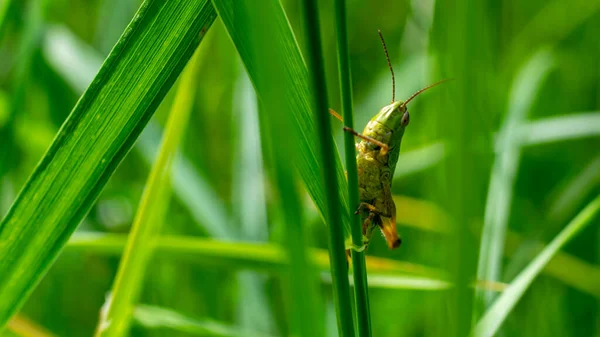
(393, 116)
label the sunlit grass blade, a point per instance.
(96, 136)
(495, 316)
(77, 63)
(152, 317)
(115, 319)
(361, 291)
(525, 88)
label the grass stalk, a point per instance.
(361, 288)
(339, 266)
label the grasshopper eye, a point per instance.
(405, 119)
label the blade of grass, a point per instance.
(284, 47)
(241, 255)
(339, 266)
(77, 63)
(504, 171)
(96, 136)
(116, 317)
(495, 316)
(154, 317)
(361, 292)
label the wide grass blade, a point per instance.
(495, 316)
(96, 136)
(77, 63)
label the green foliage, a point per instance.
(497, 183)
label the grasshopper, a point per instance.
(378, 151)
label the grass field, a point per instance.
(169, 168)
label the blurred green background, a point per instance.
(513, 142)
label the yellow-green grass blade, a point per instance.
(116, 317)
(99, 132)
(235, 254)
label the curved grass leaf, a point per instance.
(101, 129)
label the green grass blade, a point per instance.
(96, 136)
(361, 292)
(116, 318)
(77, 63)
(153, 317)
(525, 89)
(339, 267)
(298, 98)
(495, 316)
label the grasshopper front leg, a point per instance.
(384, 147)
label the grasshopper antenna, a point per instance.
(426, 88)
(387, 57)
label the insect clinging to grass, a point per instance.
(377, 156)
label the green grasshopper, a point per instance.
(377, 157)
